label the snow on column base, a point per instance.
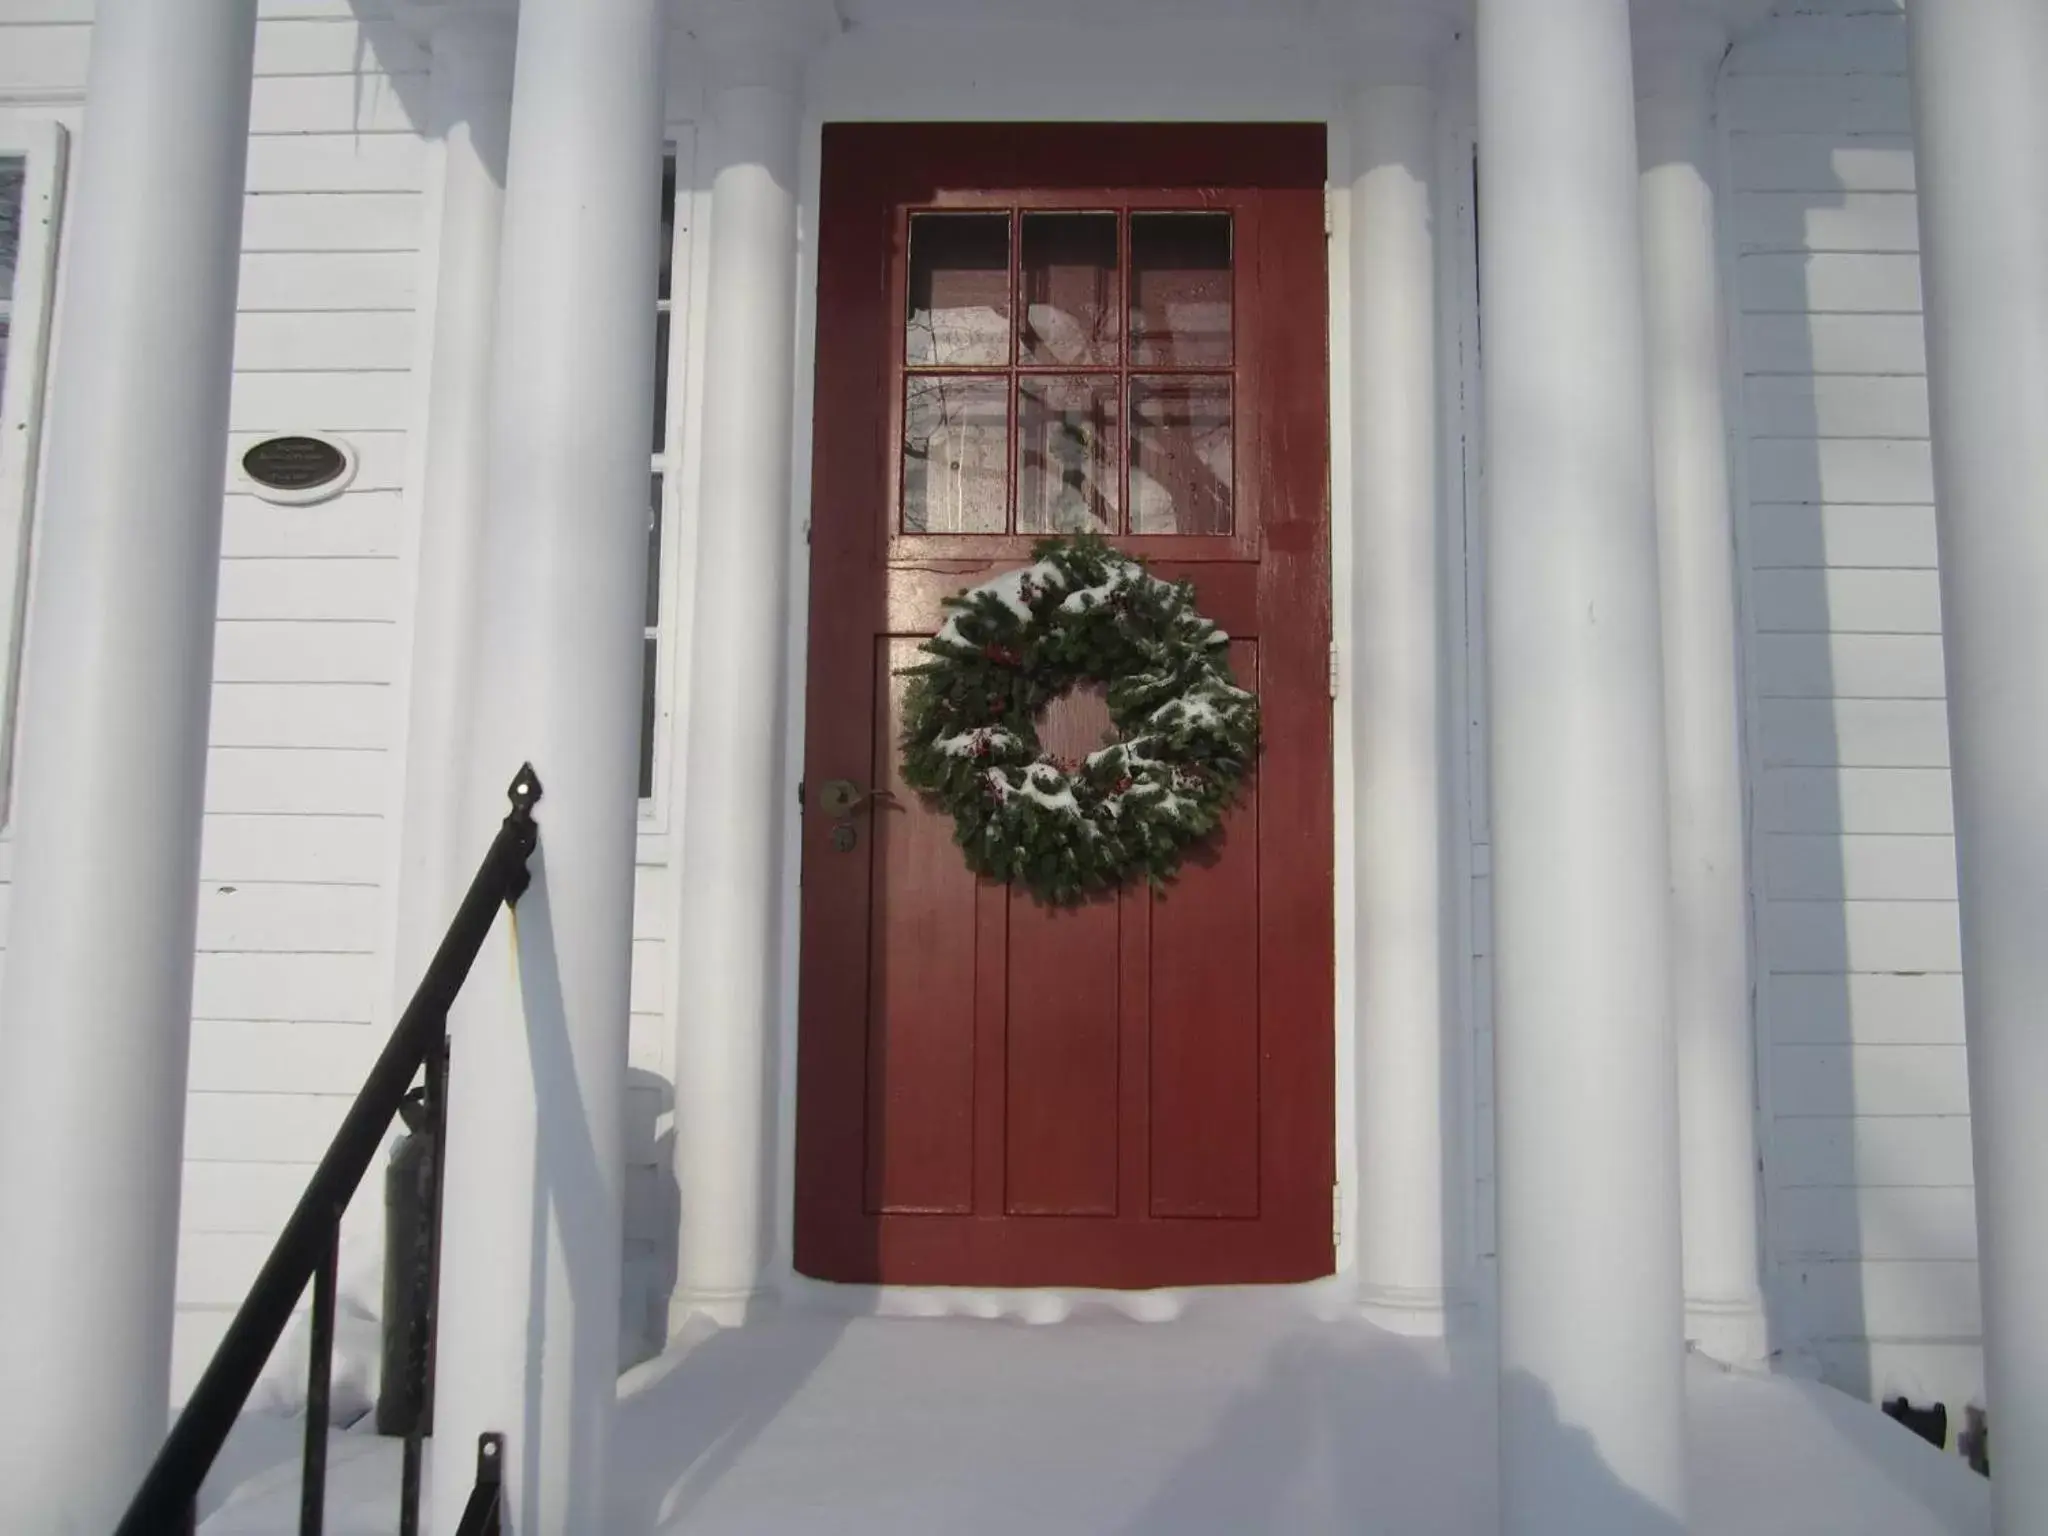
(1413, 1312)
(1733, 1333)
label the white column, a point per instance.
(1983, 140)
(95, 1013)
(1678, 59)
(736, 790)
(1398, 686)
(1591, 1305)
(472, 84)
(530, 1278)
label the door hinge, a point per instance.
(1329, 212)
(1336, 1216)
(799, 797)
(1333, 669)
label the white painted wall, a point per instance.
(1869, 1213)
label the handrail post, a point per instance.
(319, 1390)
(483, 1515)
(309, 1245)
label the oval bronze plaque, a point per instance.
(294, 463)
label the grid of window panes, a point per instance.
(663, 466)
(13, 179)
(1068, 371)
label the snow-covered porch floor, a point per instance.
(1236, 1419)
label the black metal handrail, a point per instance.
(306, 1251)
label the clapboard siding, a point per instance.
(1801, 345)
(1907, 801)
(286, 989)
(1852, 733)
(1868, 470)
(355, 105)
(1860, 868)
(1861, 1221)
(364, 524)
(360, 282)
(1816, 284)
(1851, 1300)
(1869, 1206)
(1871, 404)
(323, 341)
(1874, 1008)
(272, 921)
(303, 651)
(42, 58)
(331, 221)
(1875, 1152)
(346, 161)
(1826, 161)
(319, 588)
(1858, 600)
(287, 782)
(290, 1125)
(1831, 936)
(1841, 536)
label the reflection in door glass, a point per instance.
(1073, 312)
(957, 311)
(1068, 454)
(1180, 454)
(1180, 289)
(955, 454)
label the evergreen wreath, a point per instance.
(1186, 734)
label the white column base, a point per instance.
(727, 1308)
(1731, 1333)
(1414, 1314)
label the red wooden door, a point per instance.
(1027, 329)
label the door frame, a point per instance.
(1266, 78)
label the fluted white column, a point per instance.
(1678, 57)
(1405, 1056)
(535, 1174)
(1591, 1305)
(472, 85)
(736, 790)
(95, 1013)
(1982, 120)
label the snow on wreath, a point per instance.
(1185, 733)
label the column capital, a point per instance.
(1403, 42)
(760, 42)
(1679, 45)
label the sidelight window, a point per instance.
(31, 181)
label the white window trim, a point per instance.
(667, 632)
(43, 146)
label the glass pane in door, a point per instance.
(1181, 434)
(1180, 289)
(956, 442)
(957, 312)
(1068, 454)
(1072, 313)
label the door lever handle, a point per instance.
(840, 798)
